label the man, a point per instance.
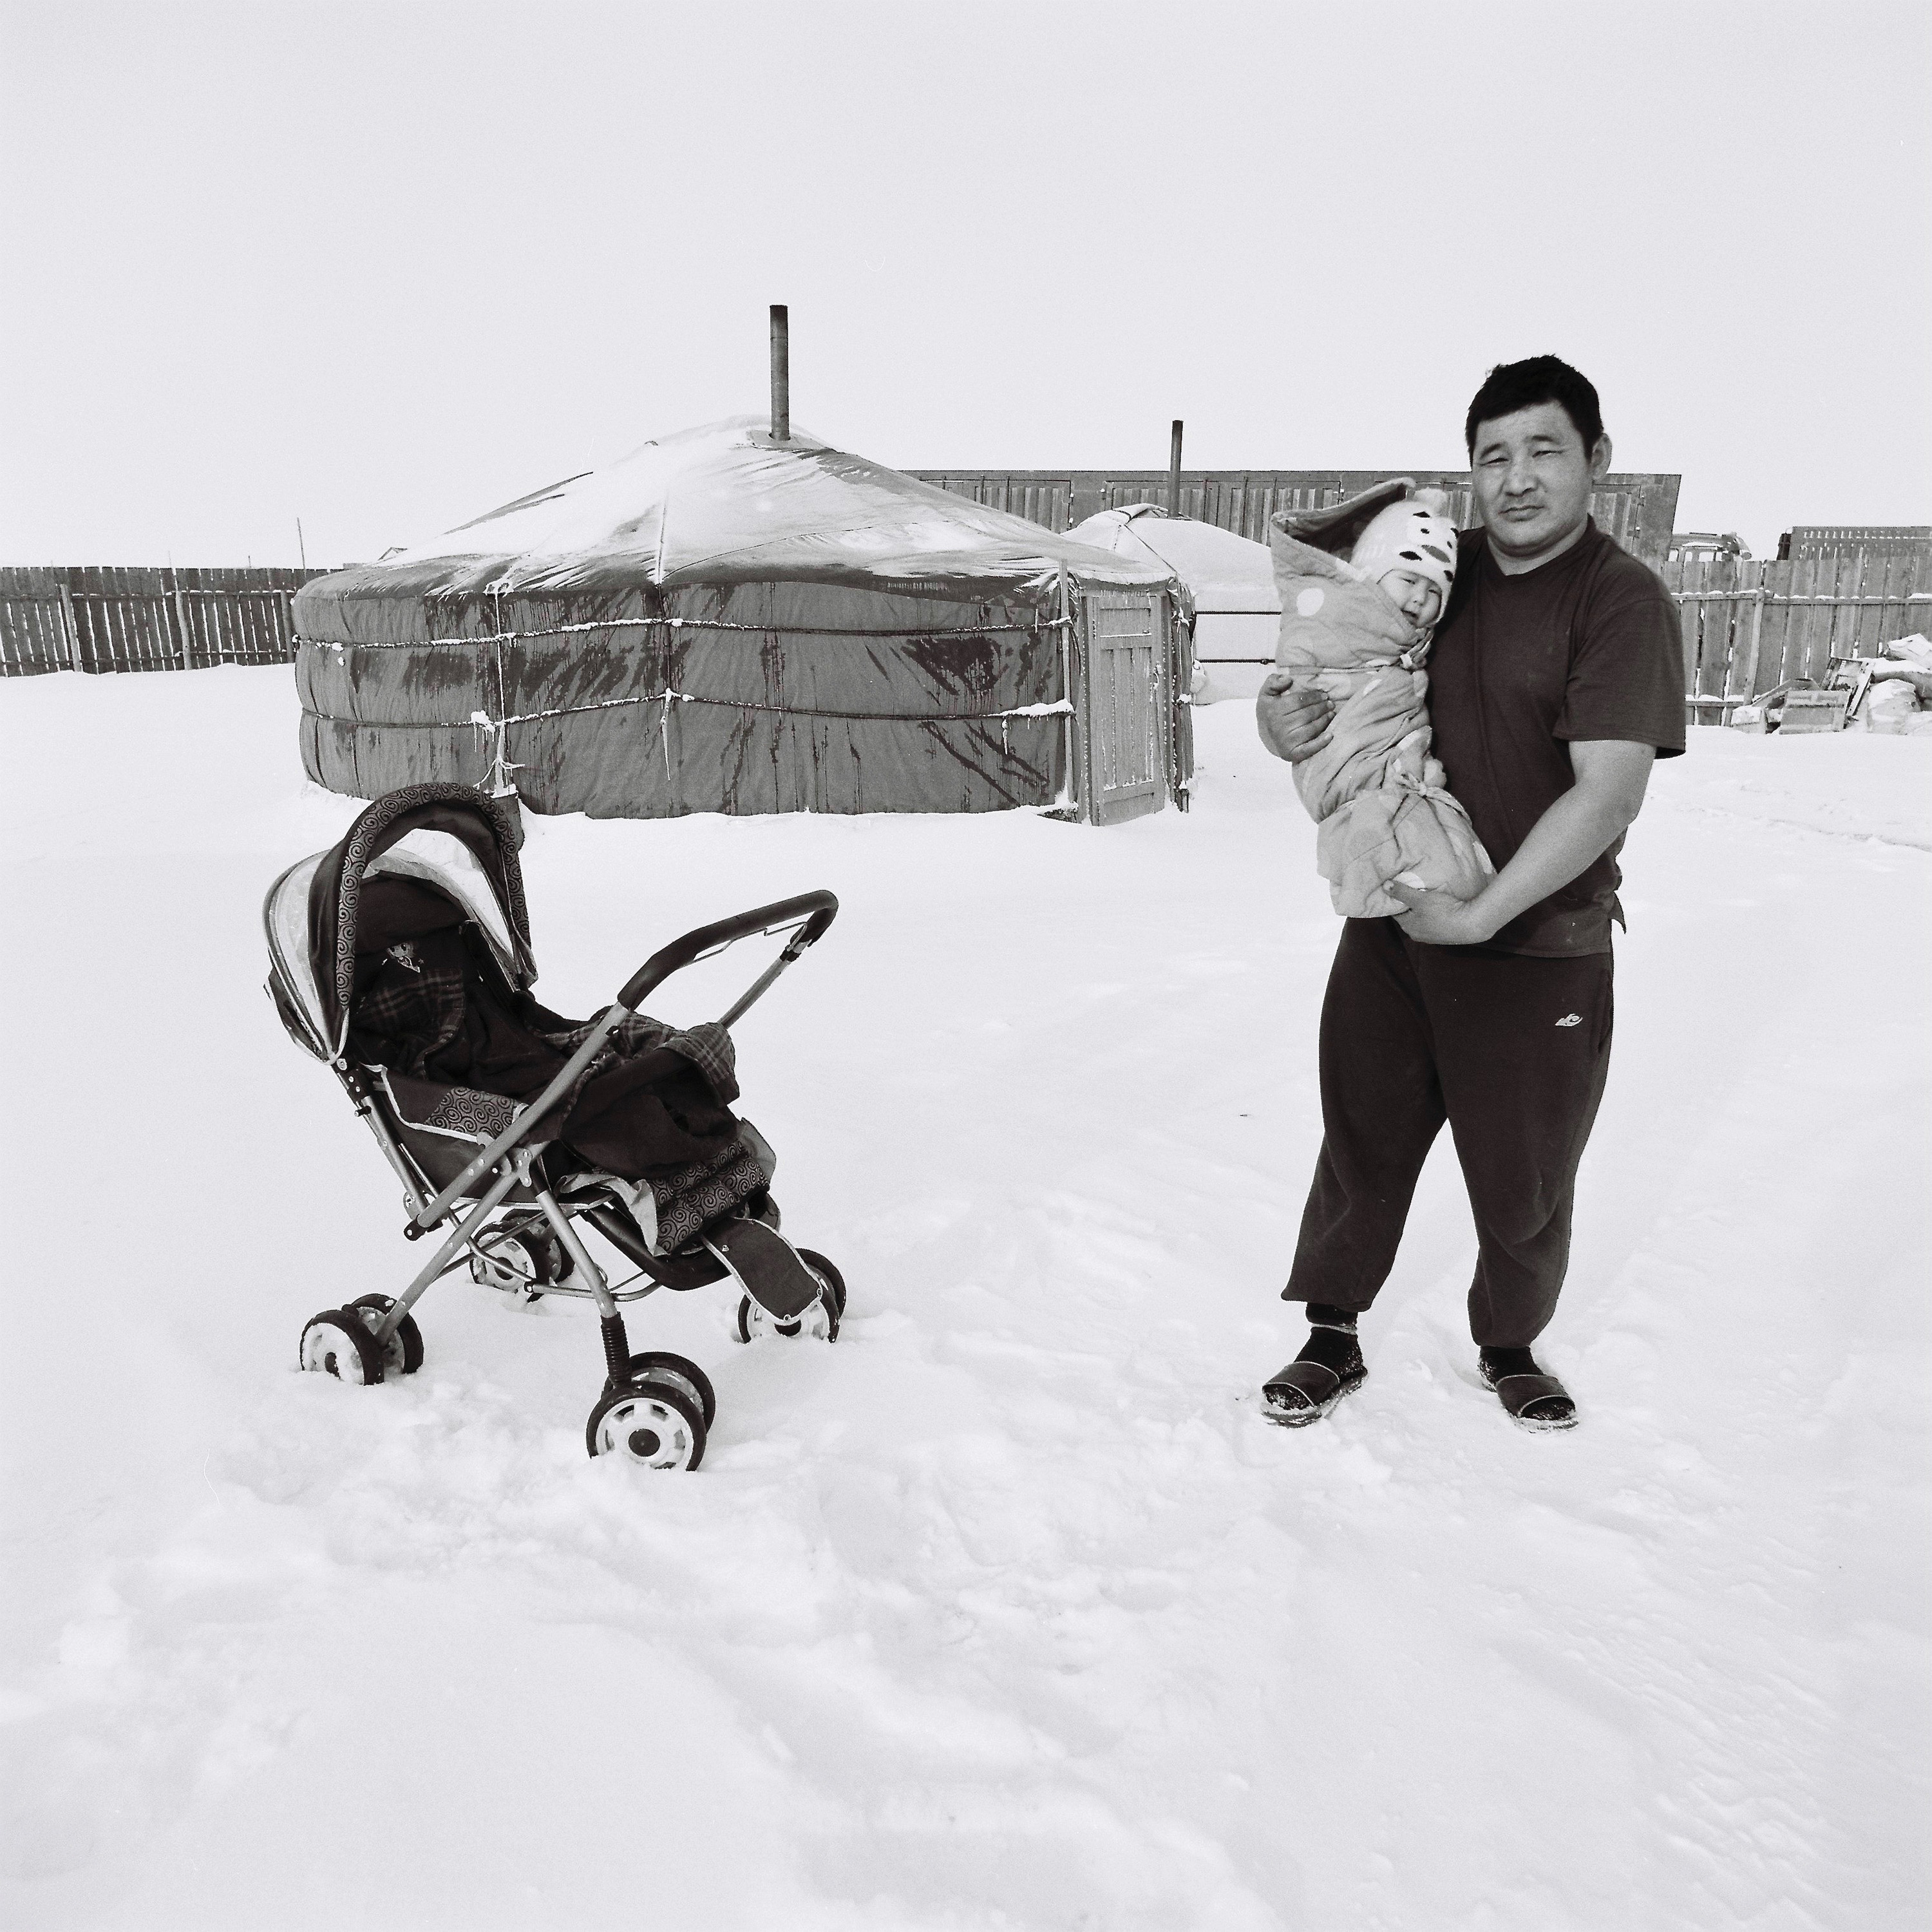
(1556, 680)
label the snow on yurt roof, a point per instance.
(725, 504)
(1224, 572)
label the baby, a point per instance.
(1359, 632)
(1411, 552)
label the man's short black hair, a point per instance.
(1510, 386)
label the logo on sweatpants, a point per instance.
(1571, 1019)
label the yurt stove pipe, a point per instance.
(781, 374)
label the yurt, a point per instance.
(1229, 579)
(728, 621)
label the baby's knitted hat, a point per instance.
(1408, 536)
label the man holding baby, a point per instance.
(1555, 681)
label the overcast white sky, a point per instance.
(383, 267)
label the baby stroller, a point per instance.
(402, 957)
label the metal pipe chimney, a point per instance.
(1174, 471)
(781, 374)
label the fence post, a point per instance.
(171, 583)
(69, 627)
(1749, 689)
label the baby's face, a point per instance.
(1416, 597)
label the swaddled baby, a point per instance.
(1359, 632)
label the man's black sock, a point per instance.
(1331, 1339)
(1498, 1362)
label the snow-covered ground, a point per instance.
(1008, 1611)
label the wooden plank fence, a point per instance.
(1750, 626)
(1811, 540)
(91, 617)
(1638, 509)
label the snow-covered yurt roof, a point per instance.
(725, 504)
(718, 622)
(1224, 572)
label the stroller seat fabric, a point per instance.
(463, 1049)
(467, 1111)
(688, 1200)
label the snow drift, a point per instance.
(1008, 1610)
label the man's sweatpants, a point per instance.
(1512, 1052)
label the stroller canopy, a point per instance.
(452, 838)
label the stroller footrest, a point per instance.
(768, 1265)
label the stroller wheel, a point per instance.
(404, 1354)
(336, 1343)
(651, 1423)
(661, 1365)
(820, 1322)
(829, 1275)
(521, 1257)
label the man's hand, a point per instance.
(1610, 777)
(1439, 918)
(1293, 722)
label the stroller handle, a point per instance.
(812, 911)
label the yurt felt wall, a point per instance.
(720, 622)
(752, 698)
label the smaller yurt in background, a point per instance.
(1229, 580)
(732, 620)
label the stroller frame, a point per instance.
(673, 1397)
(508, 1159)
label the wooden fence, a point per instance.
(1813, 540)
(1750, 626)
(104, 618)
(1638, 509)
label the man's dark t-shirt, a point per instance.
(1587, 645)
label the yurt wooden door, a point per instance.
(1126, 704)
